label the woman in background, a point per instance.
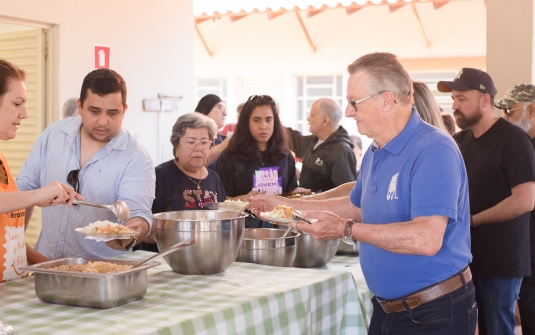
(184, 183)
(212, 106)
(258, 159)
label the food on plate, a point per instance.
(280, 212)
(105, 227)
(93, 267)
(233, 204)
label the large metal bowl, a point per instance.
(312, 253)
(347, 249)
(218, 236)
(266, 246)
(96, 290)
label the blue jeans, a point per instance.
(454, 313)
(526, 304)
(496, 298)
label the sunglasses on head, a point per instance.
(72, 179)
(256, 97)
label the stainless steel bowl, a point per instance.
(346, 249)
(266, 246)
(218, 236)
(312, 253)
(96, 290)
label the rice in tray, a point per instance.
(93, 267)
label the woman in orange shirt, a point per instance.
(14, 252)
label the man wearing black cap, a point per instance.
(518, 106)
(500, 162)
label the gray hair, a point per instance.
(192, 121)
(331, 108)
(386, 73)
(70, 108)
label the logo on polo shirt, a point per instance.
(318, 162)
(392, 188)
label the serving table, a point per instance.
(245, 299)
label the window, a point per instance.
(213, 85)
(311, 88)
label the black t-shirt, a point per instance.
(240, 177)
(532, 234)
(500, 159)
(176, 192)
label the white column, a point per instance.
(510, 45)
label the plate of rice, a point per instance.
(107, 229)
(233, 205)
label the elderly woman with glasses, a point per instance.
(184, 183)
(14, 253)
(257, 159)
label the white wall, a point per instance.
(278, 48)
(152, 48)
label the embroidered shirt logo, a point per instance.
(458, 76)
(318, 162)
(392, 188)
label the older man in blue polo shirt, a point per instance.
(409, 209)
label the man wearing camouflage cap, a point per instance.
(518, 106)
(500, 162)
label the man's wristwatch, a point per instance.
(347, 237)
(130, 245)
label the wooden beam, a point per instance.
(203, 41)
(271, 14)
(234, 18)
(421, 25)
(351, 10)
(305, 31)
(200, 20)
(393, 8)
(311, 11)
(437, 5)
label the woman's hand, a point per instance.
(55, 194)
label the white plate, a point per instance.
(266, 216)
(108, 235)
(233, 206)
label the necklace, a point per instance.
(264, 162)
(193, 181)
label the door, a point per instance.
(26, 50)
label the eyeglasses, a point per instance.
(508, 111)
(355, 102)
(204, 144)
(72, 179)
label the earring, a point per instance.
(176, 159)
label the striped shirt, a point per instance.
(121, 170)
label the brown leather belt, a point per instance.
(427, 294)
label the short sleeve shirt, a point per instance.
(497, 161)
(418, 173)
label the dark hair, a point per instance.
(449, 122)
(243, 143)
(103, 82)
(8, 72)
(206, 103)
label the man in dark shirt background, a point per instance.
(500, 162)
(518, 106)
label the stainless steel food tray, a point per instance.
(94, 290)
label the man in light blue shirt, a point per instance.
(102, 161)
(409, 209)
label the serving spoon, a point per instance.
(169, 250)
(119, 208)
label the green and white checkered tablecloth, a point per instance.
(245, 299)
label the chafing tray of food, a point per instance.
(96, 290)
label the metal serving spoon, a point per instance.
(169, 250)
(119, 208)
